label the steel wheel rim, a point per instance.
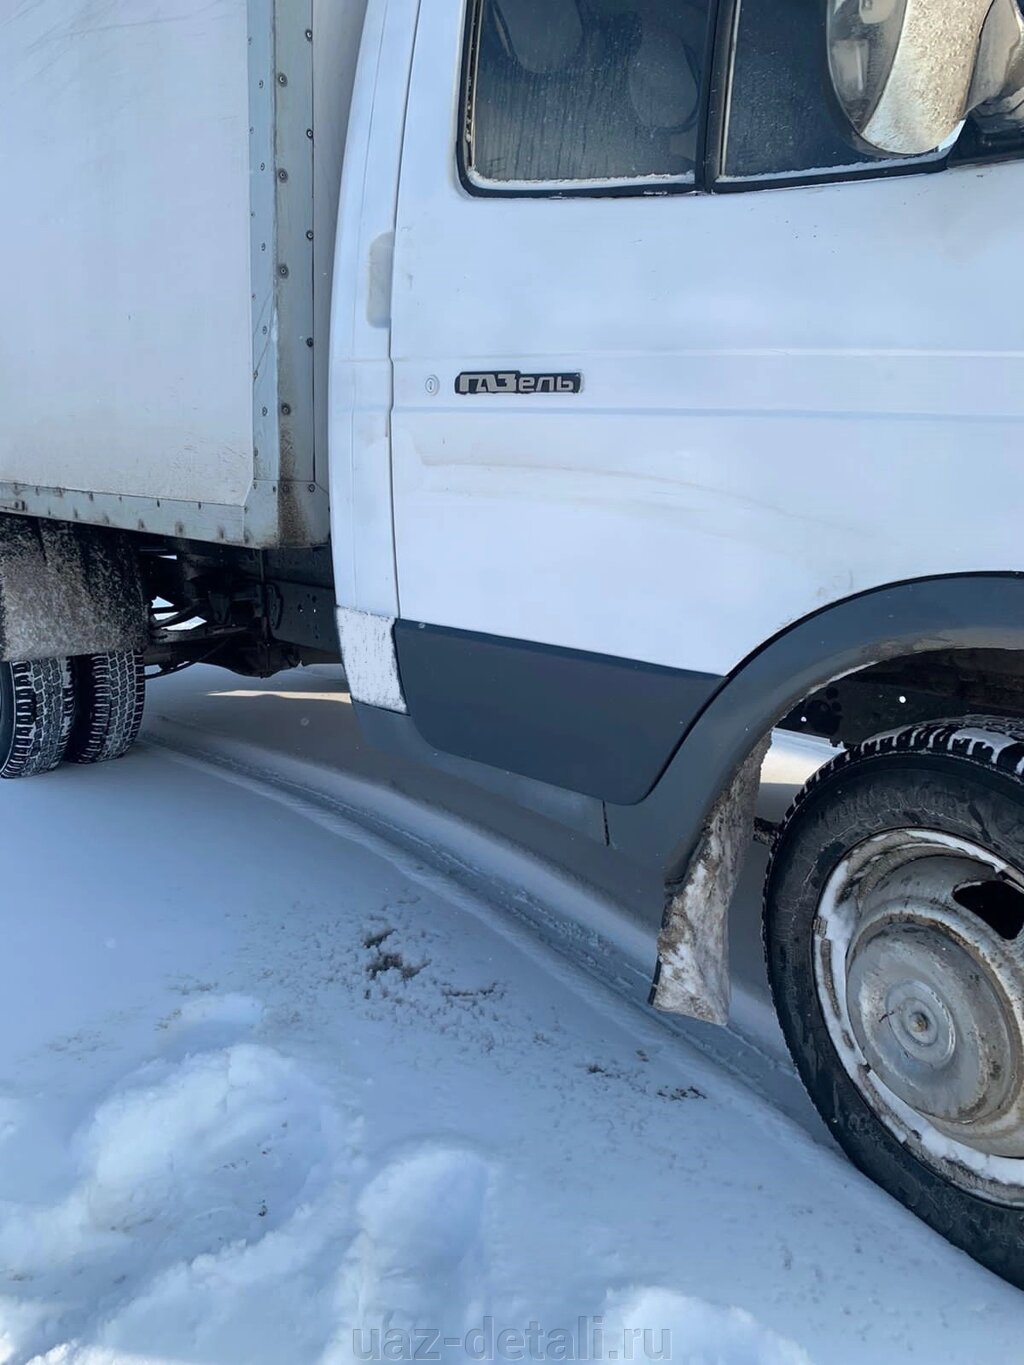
(923, 999)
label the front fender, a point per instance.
(670, 826)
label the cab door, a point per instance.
(540, 318)
(668, 356)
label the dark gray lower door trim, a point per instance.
(591, 723)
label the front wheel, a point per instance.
(894, 935)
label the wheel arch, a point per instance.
(705, 793)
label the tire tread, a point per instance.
(43, 712)
(111, 701)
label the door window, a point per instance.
(567, 94)
(781, 119)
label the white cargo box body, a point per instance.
(171, 173)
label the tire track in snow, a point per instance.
(603, 968)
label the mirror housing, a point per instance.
(908, 72)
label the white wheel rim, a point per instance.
(924, 1001)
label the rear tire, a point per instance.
(37, 711)
(111, 695)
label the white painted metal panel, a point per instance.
(172, 169)
(337, 31)
(126, 349)
(789, 396)
(360, 378)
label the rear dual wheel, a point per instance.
(894, 933)
(37, 711)
(85, 710)
(110, 696)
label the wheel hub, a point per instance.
(931, 1024)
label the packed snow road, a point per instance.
(284, 1083)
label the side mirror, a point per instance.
(908, 72)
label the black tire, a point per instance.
(945, 777)
(111, 695)
(37, 709)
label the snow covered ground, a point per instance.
(281, 1082)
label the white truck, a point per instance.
(606, 382)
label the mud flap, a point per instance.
(692, 975)
(68, 590)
